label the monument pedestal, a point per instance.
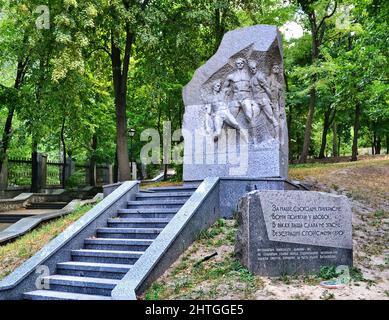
(265, 161)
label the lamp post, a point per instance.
(131, 133)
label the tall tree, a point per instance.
(317, 28)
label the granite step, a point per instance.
(172, 189)
(106, 256)
(46, 205)
(129, 233)
(117, 244)
(12, 218)
(158, 203)
(147, 213)
(59, 295)
(84, 285)
(163, 195)
(93, 269)
(138, 222)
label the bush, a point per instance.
(327, 272)
(77, 179)
(179, 168)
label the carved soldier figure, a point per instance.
(218, 112)
(239, 81)
(262, 94)
(276, 93)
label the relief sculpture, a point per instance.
(234, 122)
(218, 111)
(248, 90)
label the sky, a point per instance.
(291, 30)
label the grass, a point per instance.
(301, 171)
(222, 274)
(15, 253)
(364, 180)
(161, 184)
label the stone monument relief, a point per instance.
(235, 109)
(293, 232)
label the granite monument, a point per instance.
(293, 232)
(234, 122)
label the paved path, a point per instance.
(4, 226)
(28, 211)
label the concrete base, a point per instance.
(267, 160)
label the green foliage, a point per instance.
(356, 274)
(155, 291)
(75, 180)
(217, 229)
(179, 172)
(67, 91)
(327, 272)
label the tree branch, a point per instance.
(105, 49)
(332, 116)
(327, 16)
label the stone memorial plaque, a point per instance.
(293, 232)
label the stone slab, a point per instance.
(293, 232)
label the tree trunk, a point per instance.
(4, 144)
(312, 92)
(120, 76)
(289, 119)
(219, 26)
(354, 155)
(120, 70)
(308, 126)
(339, 140)
(92, 162)
(326, 126)
(317, 33)
(378, 145)
(116, 169)
(63, 154)
(373, 144)
(387, 143)
(165, 168)
(334, 140)
(6, 135)
(34, 168)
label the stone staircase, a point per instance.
(46, 205)
(94, 270)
